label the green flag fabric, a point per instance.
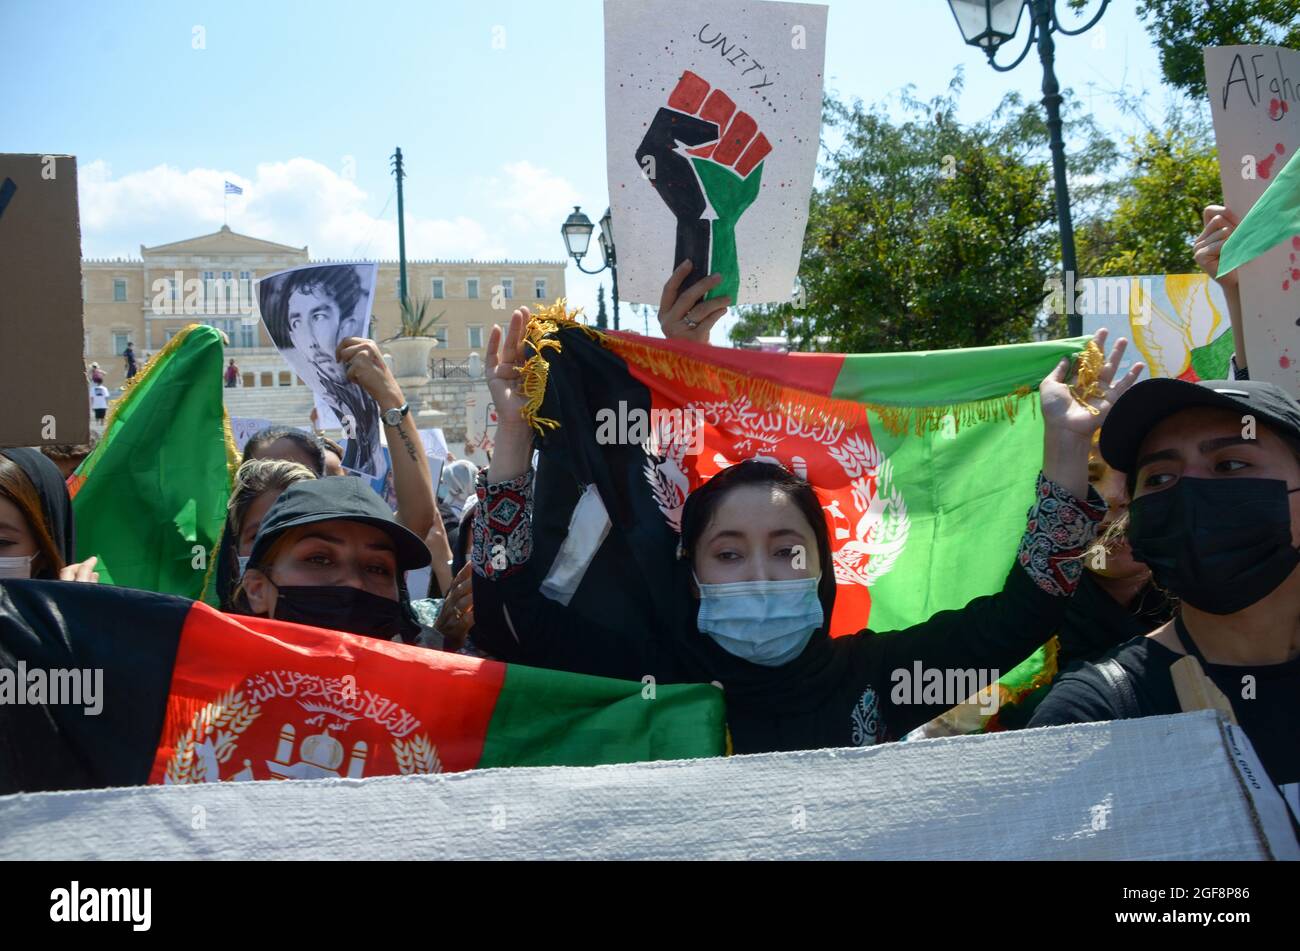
(925, 463)
(1274, 218)
(150, 501)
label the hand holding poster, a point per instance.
(308, 311)
(1255, 103)
(713, 118)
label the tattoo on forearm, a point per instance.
(410, 448)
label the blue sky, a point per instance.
(498, 107)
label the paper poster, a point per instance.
(435, 450)
(480, 424)
(713, 119)
(307, 311)
(1176, 324)
(243, 428)
(1255, 103)
(43, 388)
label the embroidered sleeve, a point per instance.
(503, 529)
(1060, 529)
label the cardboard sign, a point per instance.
(713, 119)
(1255, 103)
(43, 388)
(1176, 324)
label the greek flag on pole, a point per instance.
(233, 189)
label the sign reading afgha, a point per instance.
(44, 390)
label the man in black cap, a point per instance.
(331, 554)
(1213, 471)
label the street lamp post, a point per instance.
(577, 229)
(987, 24)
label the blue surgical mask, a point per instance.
(763, 622)
(16, 566)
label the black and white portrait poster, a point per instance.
(307, 311)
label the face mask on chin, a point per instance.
(764, 622)
(342, 608)
(1220, 545)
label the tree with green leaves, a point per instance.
(1181, 28)
(602, 319)
(1171, 173)
(929, 234)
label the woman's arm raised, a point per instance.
(998, 631)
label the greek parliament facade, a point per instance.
(208, 280)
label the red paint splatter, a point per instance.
(1286, 285)
(1295, 242)
(1278, 148)
(1295, 273)
(1265, 166)
(1277, 108)
(1284, 362)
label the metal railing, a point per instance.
(440, 368)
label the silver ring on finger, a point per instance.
(690, 323)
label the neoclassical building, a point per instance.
(146, 301)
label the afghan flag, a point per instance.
(104, 686)
(925, 464)
(150, 501)
(1274, 218)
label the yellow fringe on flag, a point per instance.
(765, 395)
(1086, 386)
(921, 419)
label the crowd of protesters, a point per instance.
(1162, 528)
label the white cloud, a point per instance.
(535, 202)
(301, 201)
(519, 209)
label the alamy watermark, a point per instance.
(76, 904)
(175, 296)
(1101, 296)
(682, 429)
(57, 687)
(948, 686)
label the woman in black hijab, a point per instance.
(753, 588)
(36, 520)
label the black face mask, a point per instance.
(1219, 544)
(345, 609)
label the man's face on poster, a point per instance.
(314, 330)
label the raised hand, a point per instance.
(503, 367)
(456, 615)
(724, 173)
(83, 571)
(686, 315)
(365, 366)
(1070, 417)
(1219, 225)
(1067, 410)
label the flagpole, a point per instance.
(225, 206)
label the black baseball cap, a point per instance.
(339, 497)
(1144, 406)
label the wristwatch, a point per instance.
(393, 417)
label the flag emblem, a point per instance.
(233, 189)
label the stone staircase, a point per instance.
(282, 405)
